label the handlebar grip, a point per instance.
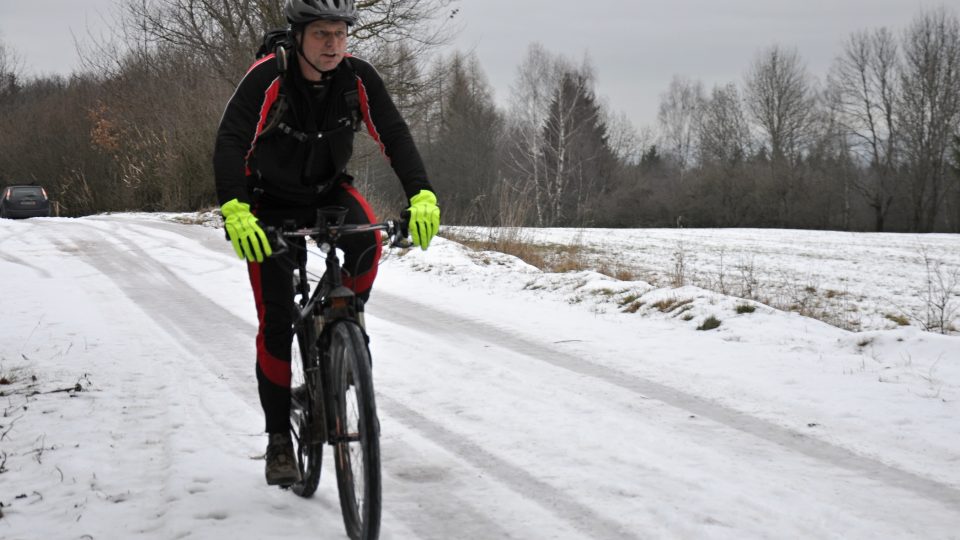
(275, 238)
(400, 231)
(404, 224)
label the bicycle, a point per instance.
(332, 400)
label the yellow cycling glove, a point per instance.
(249, 240)
(424, 218)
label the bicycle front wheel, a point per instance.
(356, 436)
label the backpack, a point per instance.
(279, 41)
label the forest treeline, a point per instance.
(872, 145)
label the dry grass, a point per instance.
(835, 307)
(669, 305)
(616, 271)
(554, 258)
(899, 319)
(665, 305)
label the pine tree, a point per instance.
(579, 160)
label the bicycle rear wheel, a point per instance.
(306, 409)
(356, 436)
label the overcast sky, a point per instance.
(636, 46)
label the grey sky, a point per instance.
(636, 46)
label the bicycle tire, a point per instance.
(306, 412)
(356, 435)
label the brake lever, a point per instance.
(276, 240)
(401, 231)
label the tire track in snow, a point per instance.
(177, 307)
(11, 258)
(562, 505)
(396, 309)
(182, 311)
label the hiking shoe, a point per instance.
(281, 469)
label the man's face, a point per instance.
(324, 44)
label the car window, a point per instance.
(30, 190)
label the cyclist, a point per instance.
(281, 152)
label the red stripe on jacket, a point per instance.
(367, 119)
(269, 97)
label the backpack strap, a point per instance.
(352, 98)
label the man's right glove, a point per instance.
(424, 218)
(249, 240)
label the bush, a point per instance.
(709, 324)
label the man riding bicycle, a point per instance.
(281, 153)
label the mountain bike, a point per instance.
(332, 398)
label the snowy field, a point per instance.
(855, 281)
(513, 403)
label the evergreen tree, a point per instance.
(463, 160)
(580, 163)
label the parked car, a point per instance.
(24, 202)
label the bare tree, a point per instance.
(723, 135)
(929, 109)
(11, 68)
(680, 108)
(780, 100)
(864, 81)
(228, 33)
(722, 128)
(625, 141)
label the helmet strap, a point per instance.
(307, 60)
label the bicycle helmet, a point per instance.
(301, 12)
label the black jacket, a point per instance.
(289, 168)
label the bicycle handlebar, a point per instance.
(396, 230)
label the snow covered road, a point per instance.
(506, 412)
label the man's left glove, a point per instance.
(424, 218)
(249, 240)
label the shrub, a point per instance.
(709, 324)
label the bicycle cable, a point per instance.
(319, 253)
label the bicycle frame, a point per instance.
(335, 300)
(331, 301)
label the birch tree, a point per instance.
(538, 76)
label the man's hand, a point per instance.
(424, 218)
(249, 240)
